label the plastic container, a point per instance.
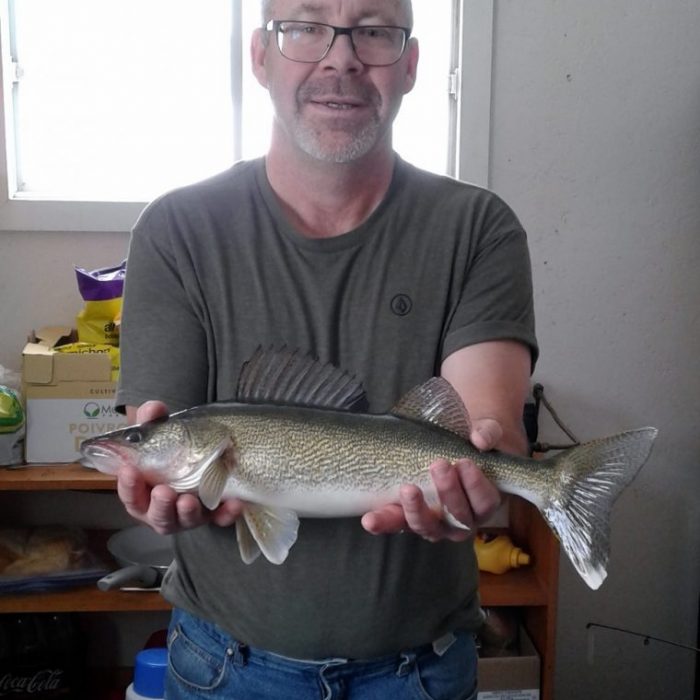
(149, 675)
(498, 554)
(12, 427)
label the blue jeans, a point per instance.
(205, 662)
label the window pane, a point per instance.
(125, 99)
(421, 132)
(257, 110)
(121, 98)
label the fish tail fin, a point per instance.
(589, 478)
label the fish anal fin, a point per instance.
(216, 466)
(436, 402)
(273, 529)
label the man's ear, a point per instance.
(258, 50)
(411, 65)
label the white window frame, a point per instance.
(470, 128)
(474, 77)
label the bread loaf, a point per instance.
(40, 550)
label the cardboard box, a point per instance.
(511, 677)
(69, 397)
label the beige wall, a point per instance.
(596, 144)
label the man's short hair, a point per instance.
(267, 11)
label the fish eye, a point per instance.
(133, 436)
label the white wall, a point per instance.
(596, 145)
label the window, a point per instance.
(119, 100)
(111, 103)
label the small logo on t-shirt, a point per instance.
(401, 304)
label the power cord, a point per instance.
(541, 400)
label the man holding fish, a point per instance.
(332, 245)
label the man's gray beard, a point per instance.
(353, 145)
(360, 144)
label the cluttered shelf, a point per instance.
(517, 588)
(533, 588)
(520, 587)
(82, 595)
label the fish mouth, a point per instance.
(104, 456)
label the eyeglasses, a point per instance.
(310, 42)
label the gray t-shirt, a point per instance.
(214, 271)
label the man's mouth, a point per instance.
(337, 95)
(338, 105)
(334, 104)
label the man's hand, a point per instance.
(462, 488)
(160, 506)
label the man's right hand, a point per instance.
(160, 506)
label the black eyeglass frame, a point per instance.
(274, 26)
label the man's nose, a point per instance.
(341, 55)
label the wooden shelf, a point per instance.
(521, 587)
(516, 588)
(532, 588)
(83, 599)
(54, 477)
(88, 597)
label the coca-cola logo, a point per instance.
(42, 681)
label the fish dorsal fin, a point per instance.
(292, 377)
(436, 402)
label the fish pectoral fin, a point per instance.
(273, 529)
(451, 520)
(247, 545)
(215, 474)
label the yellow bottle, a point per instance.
(497, 554)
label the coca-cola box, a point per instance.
(42, 657)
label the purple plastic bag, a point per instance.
(102, 284)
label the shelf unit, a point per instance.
(532, 589)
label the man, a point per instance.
(333, 245)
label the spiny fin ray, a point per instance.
(247, 545)
(294, 378)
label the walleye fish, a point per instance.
(292, 446)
